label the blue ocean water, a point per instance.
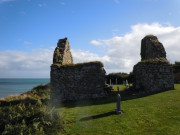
(19, 86)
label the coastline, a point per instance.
(17, 86)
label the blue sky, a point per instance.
(96, 29)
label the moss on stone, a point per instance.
(71, 57)
(157, 48)
(156, 60)
(62, 42)
(158, 45)
(143, 44)
(79, 65)
(151, 36)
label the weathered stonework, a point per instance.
(75, 81)
(153, 73)
(79, 81)
(62, 53)
(151, 48)
(152, 77)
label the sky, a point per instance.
(98, 30)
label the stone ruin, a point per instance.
(75, 81)
(153, 73)
(151, 48)
(62, 53)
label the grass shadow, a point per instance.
(127, 94)
(98, 116)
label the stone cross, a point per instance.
(118, 105)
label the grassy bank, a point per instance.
(30, 113)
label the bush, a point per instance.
(29, 115)
(41, 91)
(176, 67)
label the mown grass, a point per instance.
(157, 114)
(121, 87)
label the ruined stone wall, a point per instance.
(62, 53)
(151, 48)
(153, 73)
(153, 77)
(77, 81)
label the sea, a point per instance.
(19, 86)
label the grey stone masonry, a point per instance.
(151, 48)
(77, 81)
(153, 73)
(62, 53)
(152, 77)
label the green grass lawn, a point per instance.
(121, 87)
(30, 113)
(157, 114)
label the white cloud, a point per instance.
(122, 53)
(95, 42)
(37, 63)
(27, 43)
(86, 56)
(21, 64)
